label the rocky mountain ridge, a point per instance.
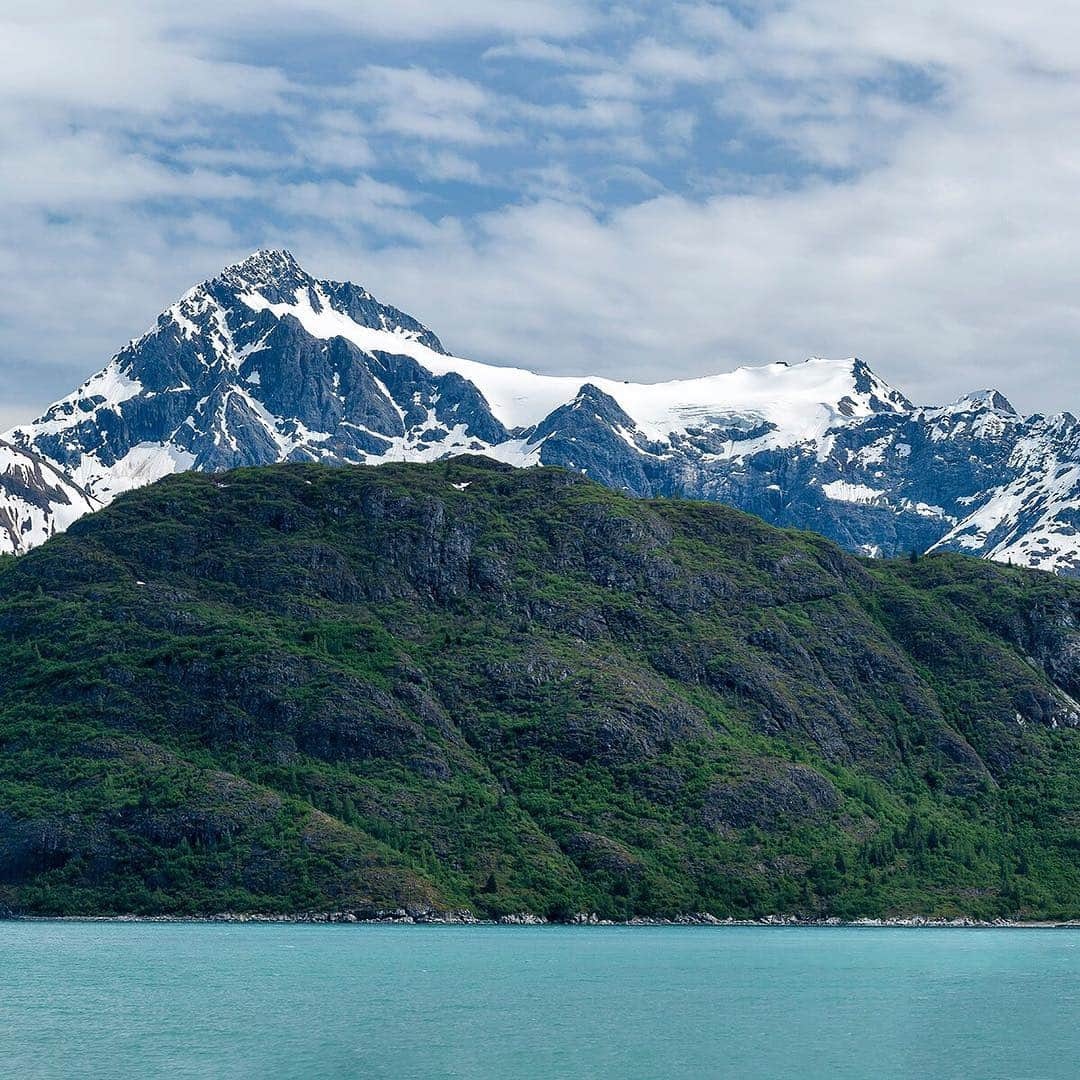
(265, 363)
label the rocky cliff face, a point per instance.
(265, 363)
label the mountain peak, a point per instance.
(267, 268)
(880, 396)
(980, 400)
(264, 260)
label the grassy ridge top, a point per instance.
(461, 685)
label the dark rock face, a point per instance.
(594, 436)
(767, 801)
(602, 855)
(265, 363)
(900, 480)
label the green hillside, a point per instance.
(461, 685)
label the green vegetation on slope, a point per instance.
(451, 685)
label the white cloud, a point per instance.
(408, 20)
(424, 105)
(445, 165)
(65, 171)
(380, 209)
(924, 215)
(83, 57)
(335, 138)
(531, 48)
(417, 20)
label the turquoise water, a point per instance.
(95, 1000)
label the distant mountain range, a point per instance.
(265, 363)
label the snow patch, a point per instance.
(141, 465)
(843, 491)
(800, 401)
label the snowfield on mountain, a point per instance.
(265, 363)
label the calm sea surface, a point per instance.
(142, 1000)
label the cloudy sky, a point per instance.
(639, 190)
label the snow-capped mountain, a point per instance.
(266, 363)
(1033, 517)
(36, 500)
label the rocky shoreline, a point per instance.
(421, 917)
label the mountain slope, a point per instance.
(461, 684)
(266, 363)
(1033, 518)
(36, 500)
